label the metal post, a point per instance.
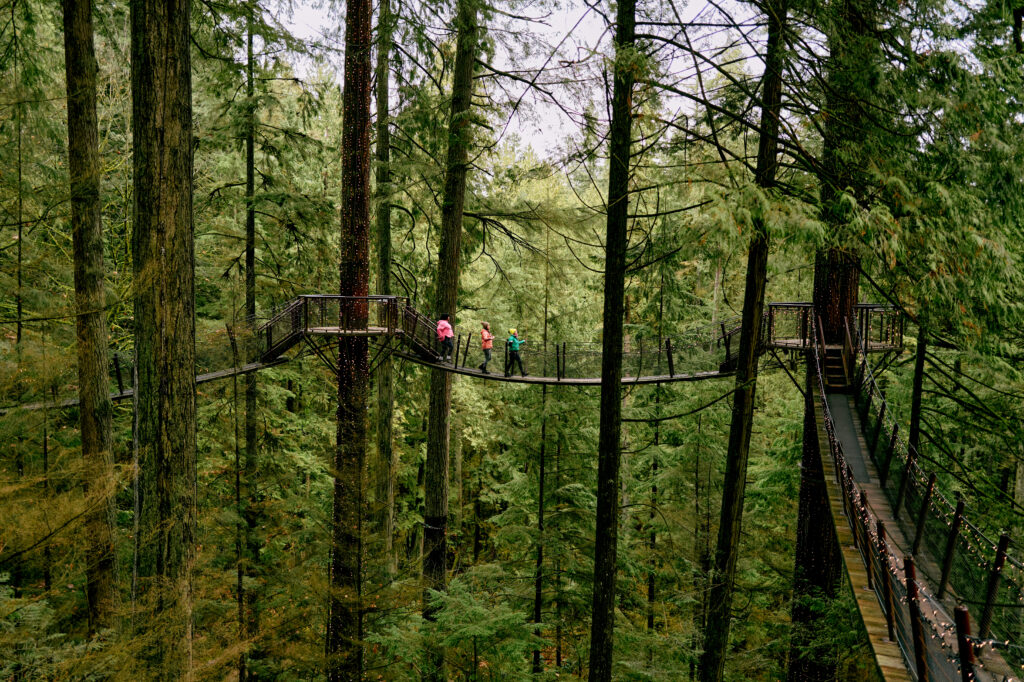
(923, 514)
(907, 470)
(117, 371)
(963, 642)
(563, 360)
(947, 557)
(890, 451)
(558, 363)
(878, 428)
(668, 349)
(886, 577)
(916, 627)
(985, 626)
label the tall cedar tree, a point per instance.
(435, 481)
(95, 407)
(849, 131)
(250, 495)
(345, 618)
(165, 407)
(602, 627)
(387, 466)
(719, 615)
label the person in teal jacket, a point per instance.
(513, 344)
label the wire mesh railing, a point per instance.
(934, 645)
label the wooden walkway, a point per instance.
(887, 653)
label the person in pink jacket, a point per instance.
(486, 344)
(446, 336)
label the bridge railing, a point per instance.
(705, 349)
(978, 570)
(788, 325)
(933, 646)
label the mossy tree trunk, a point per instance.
(163, 265)
(95, 407)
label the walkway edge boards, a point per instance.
(886, 651)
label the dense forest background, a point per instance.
(899, 145)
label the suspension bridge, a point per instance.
(939, 599)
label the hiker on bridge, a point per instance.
(446, 336)
(513, 343)
(486, 343)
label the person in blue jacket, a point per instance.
(513, 343)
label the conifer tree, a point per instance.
(163, 266)
(716, 638)
(602, 628)
(91, 320)
(345, 653)
(435, 480)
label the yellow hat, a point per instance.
(512, 331)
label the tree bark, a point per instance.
(345, 619)
(435, 517)
(163, 262)
(914, 434)
(716, 637)
(602, 627)
(388, 463)
(250, 493)
(818, 563)
(95, 408)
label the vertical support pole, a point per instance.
(947, 556)
(563, 360)
(117, 371)
(458, 347)
(985, 626)
(558, 363)
(916, 627)
(889, 452)
(907, 472)
(668, 350)
(465, 355)
(922, 516)
(803, 327)
(963, 642)
(886, 578)
(726, 340)
(878, 428)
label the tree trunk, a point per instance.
(250, 494)
(388, 462)
(345, 619)
(716, 637)
(836, 276)
(602, 627)
(914, 435)
(538, 576)
(818, 564)
(165, 408)
(95, 407)
(435, 517)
